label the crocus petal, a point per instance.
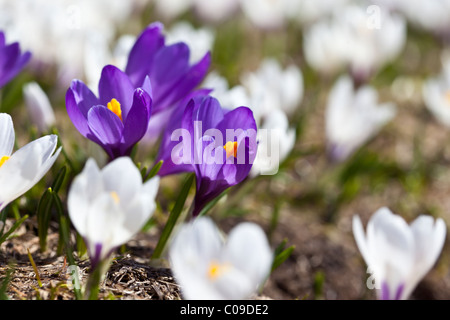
(7, 135)
(146, 46)
(115, 84)
(83, 190)
(11, 62)
(188, 82)
(107, 128)
(137, 121)
(79, 99)
(26, 167)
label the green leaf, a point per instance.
(154, 171)
(281, 255)
(17, 224)
(5, 283)
(43, 216)
(212, 203)
(59, 179)
(173, 217)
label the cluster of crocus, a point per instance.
(217, 144)
(355, 41)
(12, 60)
(156, 78)
(399, 255)
(21, 170)
(207, 267)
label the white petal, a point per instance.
(7, 135)
(248, 250)
(122, 176)
(39, 106)
(429, 237)
(26, 167)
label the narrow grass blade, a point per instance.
(36, 271)
(173, 217)
(17, 224)
(154, 171)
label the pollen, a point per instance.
(115, 197)
(215, 270)
(114, 106)
(3, 160)
(231, 148)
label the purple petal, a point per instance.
(115, 84)
(136, 124)
(2, 40)
(79, 99)
(143, 52)
(186, 83)
(11, 62)
(170, 64)
(107, 128)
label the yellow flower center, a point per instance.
(231, 148)
(114, 106)
(215, 270)
(115, 197)
(3, 160)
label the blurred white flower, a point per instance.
(199, 40)
(275, 141)
(436, 95)
(109, 206)
(270, 87)
(310, 11)
(21, 170)
(353, 117)
(171, 9)
(207, 267)
(97, 54)
(399, 255)
(215, 11)
(356, 40)
(432, 16)
(61, 28)
(39, 106)
(229, 98)
(270, 14)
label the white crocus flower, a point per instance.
(275, 141)
(21, 170)
(109, 206)
(399, 255)
(229, 98)
(215, 11)
(270, 87)
(39, 106)
(436, 95)
(356, 40)
(199, 40)
(353, 117)
(270, 14)
(207, 267)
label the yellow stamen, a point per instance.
(231, 148)
(3, 160)
(114, 106)
(215, 270)
(115, 197)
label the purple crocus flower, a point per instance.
(217, 144)
(169, 71)
(12, 60)
(118, 118)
